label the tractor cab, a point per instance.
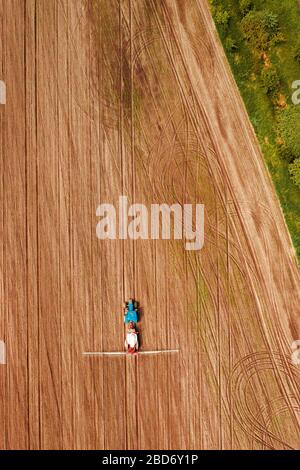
(131, 311)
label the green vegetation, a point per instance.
(261, 40)
(295, 171)
(297, 52)
(270, 80)
(245, 6)
(222, 18)
(289, 130)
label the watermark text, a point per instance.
(164, 222)
(296, 94)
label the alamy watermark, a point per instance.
(136, 222)
(296, 94)
(2, 92)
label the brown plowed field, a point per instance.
(135, 97)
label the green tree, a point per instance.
(294, 169)
(271, 23)
(270, 80)
(289, 131)
(259, 28)
(245, 6)
(286, 154)
(222, 17)
(254, 31)
(230, 45)
(277, 39)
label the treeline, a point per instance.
(259, 29)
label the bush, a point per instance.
(294, 169)
(286, 154)
(230, 45)
(289, 130)
(270, 80)
(222, 18)
(271, 22)
(277, 39)
(254, 32)
(259, 27)
(245, 6)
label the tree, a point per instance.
(222, 17)
(245, 6)
(277, 39)
(294, 169)
(254, 31)
(270, 80)
(230, 45)
(286, 154)
(289, 131)
(259, 28)
(271, 22)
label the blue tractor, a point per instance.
(131, 311)
(130, 320)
